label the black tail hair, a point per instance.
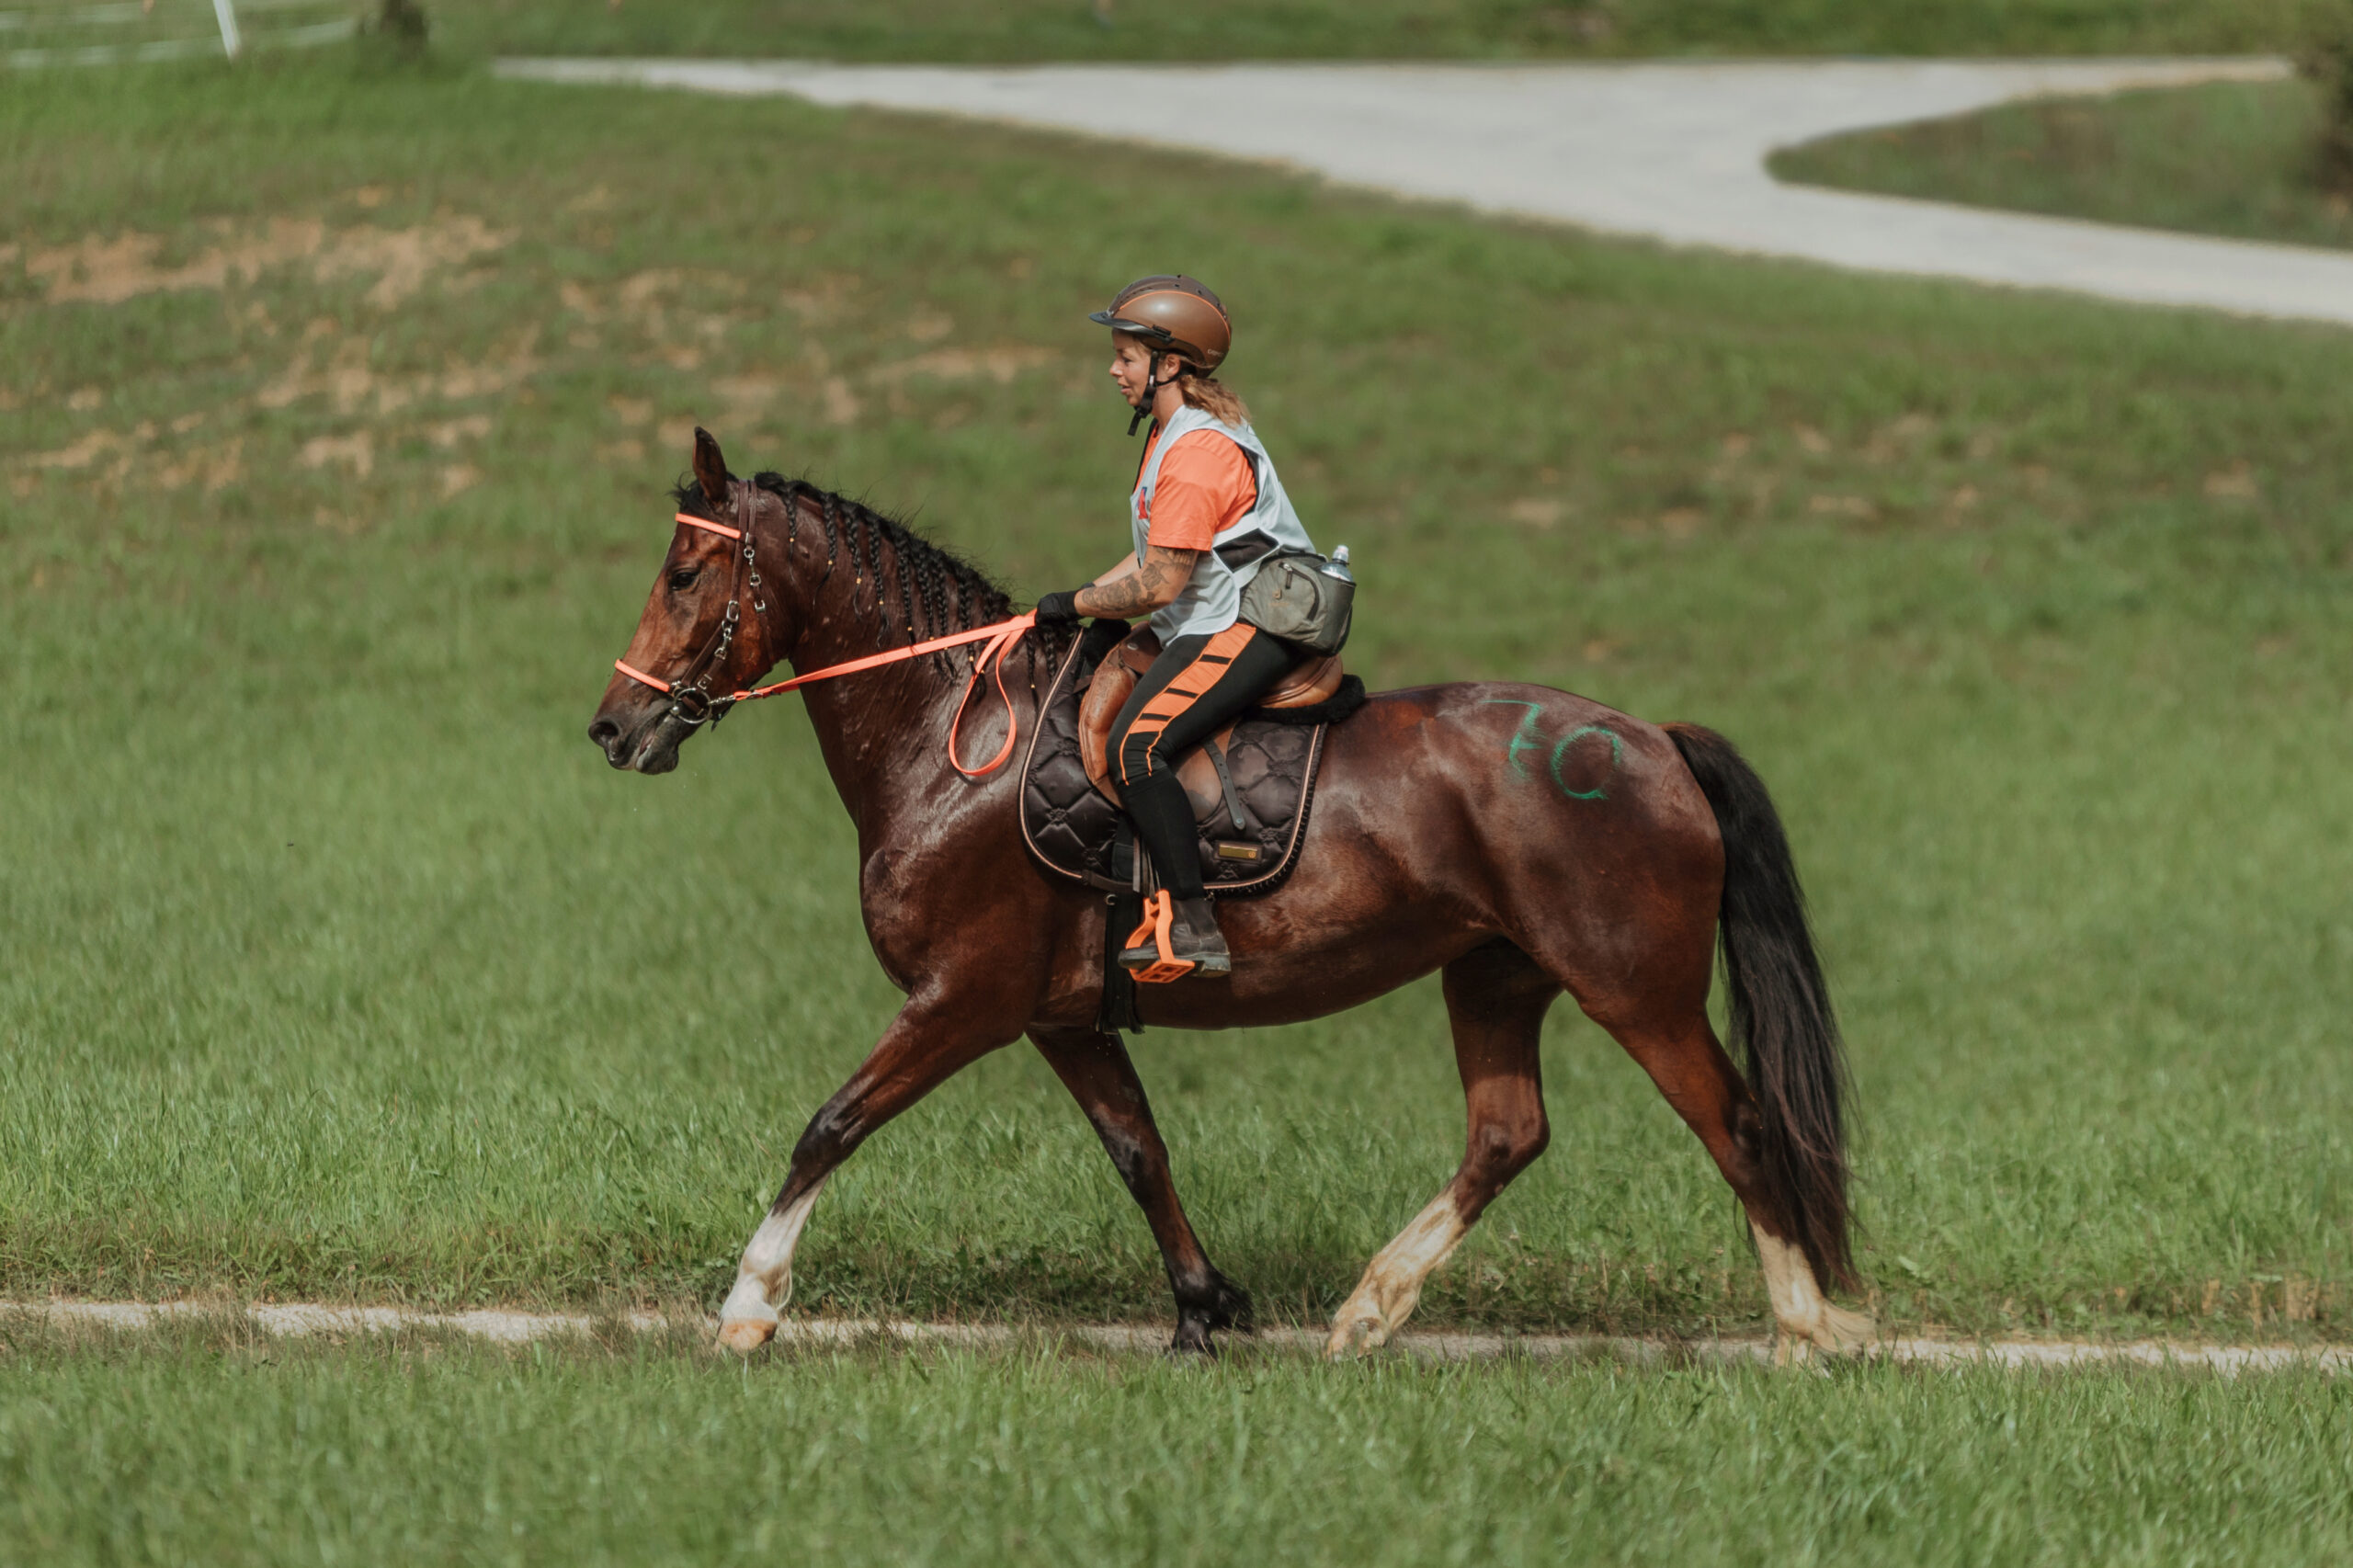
(1781, 1017)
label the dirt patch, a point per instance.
(96, 270)
(349, 382)
(90, 446)
(215, 468)
(748, 391)
(2237, 482)
(1000, 365)
(473, 427)
(357, 453)
(404, 258)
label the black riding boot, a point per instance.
(1163, 819)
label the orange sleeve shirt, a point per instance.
(1206, 483)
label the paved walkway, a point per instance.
(299, 1320)
(1665, 151)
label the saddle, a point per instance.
(1249, 784)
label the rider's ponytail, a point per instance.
(1212, 396)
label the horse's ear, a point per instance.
(711, 469)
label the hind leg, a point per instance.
(1688, 1064)
(1096, 1071)
(1495, 1000)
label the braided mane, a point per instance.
(932, 590)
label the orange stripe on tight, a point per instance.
(1226, 644)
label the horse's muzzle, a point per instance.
(648, 746)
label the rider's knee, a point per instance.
(1139, 759)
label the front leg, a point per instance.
(1101, 1077)
(931, 1038)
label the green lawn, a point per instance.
(206, 1448)
(2228, 158)
(336, 412)
(1380, 29)
(1243, 29)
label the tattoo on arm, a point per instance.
(1156, 581)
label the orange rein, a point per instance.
(1000, 637)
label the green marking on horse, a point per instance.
(1617, 755)
(1526, 738)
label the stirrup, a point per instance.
(1158, 910)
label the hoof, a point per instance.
(745, 1335)
(1834, 1331)
(1192, 1341)
(1844, 1333)
(1354, 1335)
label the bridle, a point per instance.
(690, 698)
(692, 704)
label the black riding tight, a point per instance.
(1196, 685)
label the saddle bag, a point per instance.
(1303, 599)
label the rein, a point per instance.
(690, 698)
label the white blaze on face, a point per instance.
(764, 1279)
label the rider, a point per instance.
(1207, 510)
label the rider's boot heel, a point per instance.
(1193, 933)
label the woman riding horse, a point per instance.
(1207, 510)
(1518, 841)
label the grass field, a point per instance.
(1242, 29)
(2230, 158)
(338, 417)
(1503, 30)
(201, 1448)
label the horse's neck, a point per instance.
(885, 731)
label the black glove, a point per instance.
(1059, 609)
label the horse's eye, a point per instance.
(684, 578)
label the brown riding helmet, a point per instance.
(1174, 315)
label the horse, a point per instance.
(1519, 840)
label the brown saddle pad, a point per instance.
(1271, 754)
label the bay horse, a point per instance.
(1521, 841)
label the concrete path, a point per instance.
(1667, 152)
(297, 1320)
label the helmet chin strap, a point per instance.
(1151, 392)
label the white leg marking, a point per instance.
(1392, 1285)
(764, 1277)
(1806, 1316)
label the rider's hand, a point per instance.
(1058, 609)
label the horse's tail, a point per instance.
(1782, 1018)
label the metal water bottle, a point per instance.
(1339, 609)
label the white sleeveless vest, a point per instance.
(1213, 600)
